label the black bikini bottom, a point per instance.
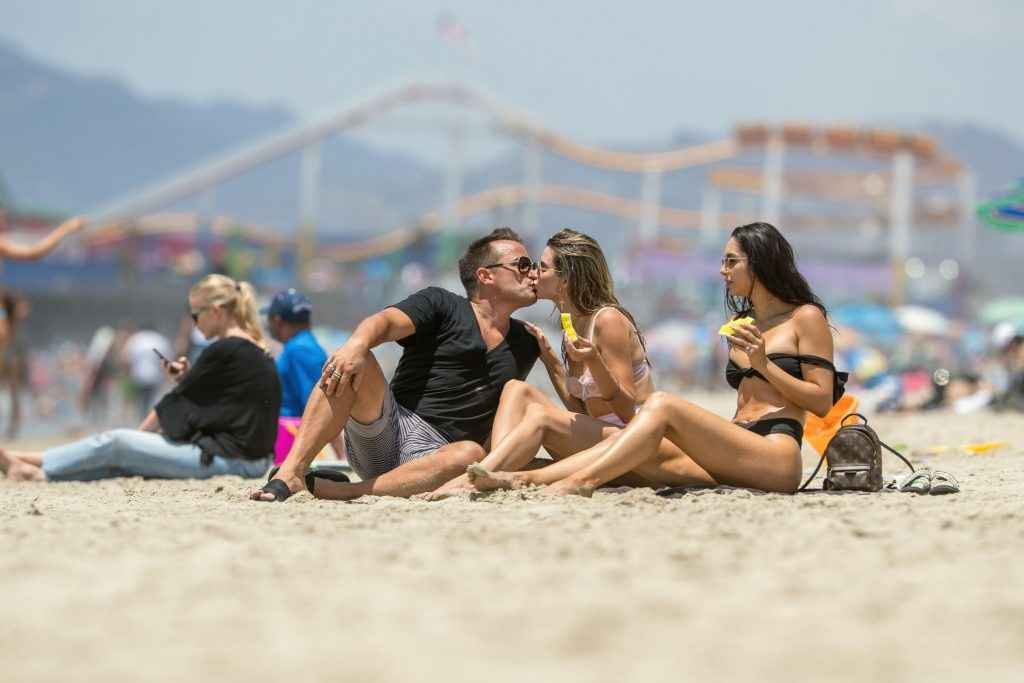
(779, 425)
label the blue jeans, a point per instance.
(132, 453)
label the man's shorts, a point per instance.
(396, 437)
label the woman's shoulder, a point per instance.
(809, 314)
(610, 323)
(234, 344)
(809, 322)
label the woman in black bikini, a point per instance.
(781, 367)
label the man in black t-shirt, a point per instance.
(433, 419)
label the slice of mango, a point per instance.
(570, 331)
(730, 327)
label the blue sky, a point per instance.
(600, 71)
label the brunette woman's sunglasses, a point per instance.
(523, 265)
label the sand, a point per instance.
(129, 580)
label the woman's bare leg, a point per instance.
(669, 467)
(516, 397)
(729, 453)
(529, 420)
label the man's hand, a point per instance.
(344, 368)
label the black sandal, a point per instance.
(281, 492)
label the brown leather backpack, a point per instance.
(854, 458)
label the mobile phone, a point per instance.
(160, 355)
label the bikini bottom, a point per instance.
(779, 425)
(612, 419)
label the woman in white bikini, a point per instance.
(601, 377)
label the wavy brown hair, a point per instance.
(580, 262)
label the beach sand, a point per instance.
(128, 580)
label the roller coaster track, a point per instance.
(214, 172)
(835, 139)
(434, 221)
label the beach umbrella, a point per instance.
(1005, 212)
(921, 320)
(872, 320)
(1006, 308)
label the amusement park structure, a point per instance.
(901, 164)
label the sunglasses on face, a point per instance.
(195, 314)
(546, 267)
(523, 265)
(729, 262)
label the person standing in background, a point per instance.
(143, 352)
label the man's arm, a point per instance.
(345, 366)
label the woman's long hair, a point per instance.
(582, 265)
(235, 296)
(772, 263)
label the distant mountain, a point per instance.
(70, 143)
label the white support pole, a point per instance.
(309, 199)
(771, 179)
(710, 215)
(532, 170)
(651, 201)
(448, 244)
(900, 221)
(453, 177)
(204, 225)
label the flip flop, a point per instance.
(944, 482)
(281, 492)
(919, 482)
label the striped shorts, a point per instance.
(396, 437)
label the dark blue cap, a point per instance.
(290, 305)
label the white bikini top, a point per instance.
(585, 386)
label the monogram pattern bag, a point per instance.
(854, 458)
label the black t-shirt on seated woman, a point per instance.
(227, 403)
(446, 374)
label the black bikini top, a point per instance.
(790, 364)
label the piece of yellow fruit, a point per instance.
(570, 332)
(730, 327)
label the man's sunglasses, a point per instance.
(523, 265)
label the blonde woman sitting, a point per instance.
(220, 418)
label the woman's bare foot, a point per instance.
(452, 488)
(568, 487)
(19, 471)
(482, 479)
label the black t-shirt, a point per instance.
(227, 403)
(446, 374)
